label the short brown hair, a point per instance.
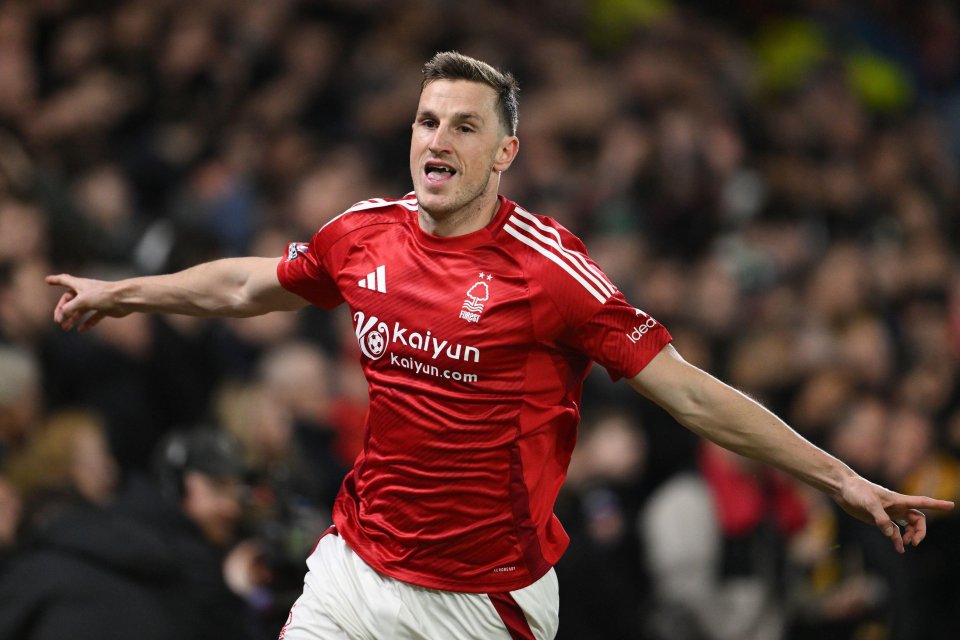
(452, 65)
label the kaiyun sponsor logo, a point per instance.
(374, 336)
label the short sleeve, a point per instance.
(620, 337)
(302, 272)
(586, 311)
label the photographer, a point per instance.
(196, 505)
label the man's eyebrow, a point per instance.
(467, 115)
(459, 116)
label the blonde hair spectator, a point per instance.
(68, 454)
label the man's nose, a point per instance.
(440, 141)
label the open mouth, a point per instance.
(438, 172)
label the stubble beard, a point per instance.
(458, 207)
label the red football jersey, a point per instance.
(475, 348)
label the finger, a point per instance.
(73, 303)
(888, 528)
(58, 310)
(92, 321)
(896, 538)
(67, 320)
(79, 305)
(71, 319)
(916, 527)
(60, 279)
(63, 280)
(921, 502)
(914, 522)
(907, 531)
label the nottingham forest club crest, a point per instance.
(477, 294)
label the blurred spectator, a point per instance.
(300, 378)
(109, 371)
(824, 392)
(20, 399)
(598, 504)
(77, 561)
(289, 496)
(22, 230)
(914, 460)
(196, 506)
(833, 596)
(68, 455)
(104, 199)
(850, 586)
(859, 435)
(715, 544)
(24, 302)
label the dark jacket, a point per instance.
(86, 574)
(207, 608)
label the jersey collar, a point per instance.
(466, 241)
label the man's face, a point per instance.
(458, 147)
(214, 504)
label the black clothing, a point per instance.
(86, 574)
(208, 607)
(138, 570)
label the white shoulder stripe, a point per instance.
(334, 219)
(409, 201)
(599, 281)
(589, 270)
(552, 255)
(373, 203)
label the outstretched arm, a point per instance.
(232, 287)
(722, 414)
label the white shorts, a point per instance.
(345, 599)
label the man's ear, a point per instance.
(509, 147)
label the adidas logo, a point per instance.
(376, 280)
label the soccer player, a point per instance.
(477, 322)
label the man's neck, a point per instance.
(472, 218)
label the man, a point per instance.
(477, 322)
(194, 502)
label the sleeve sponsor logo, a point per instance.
(642, 329)
(294, 249)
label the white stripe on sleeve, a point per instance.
(552, 255)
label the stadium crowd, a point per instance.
(774, 181)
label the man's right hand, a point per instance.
(82, 296)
